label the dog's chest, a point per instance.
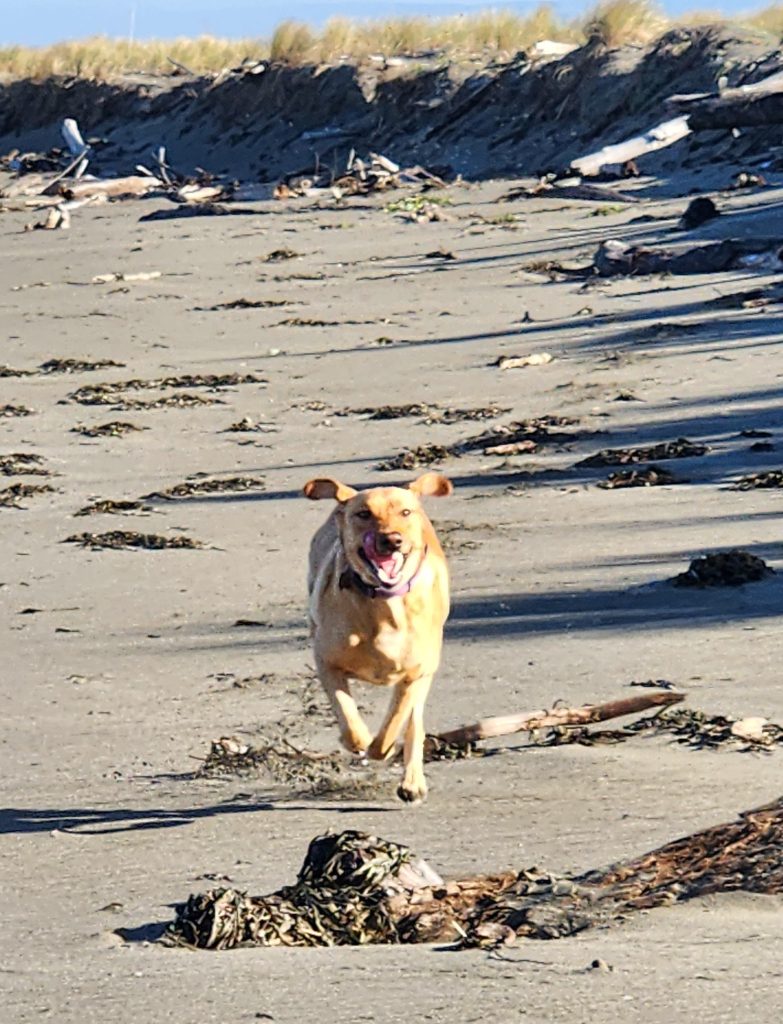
(382, 657)
(392, 644)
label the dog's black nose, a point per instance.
(386, 543)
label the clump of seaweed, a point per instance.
(77, 365)
(13, 411)
(412, 458)
(527, 434)
(724, 569)
(117, 508)
(357, 889)
(433, 413)
(247, 426)
(308, 772)
(119, 540)
(682, 448)
(522, 436)
(22, 464)
(652, 476)
(179, 400)
(9, 371)
(246, 304)
(391, 412)
(191, 488)
(772, 478)
(107, 392)
(10, 497)
(117, 428)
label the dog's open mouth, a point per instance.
(386, 567)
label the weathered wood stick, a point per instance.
(182, 67)
(505, 725)
(130, 186)
(736, 111)
(743, 107)
(64, 174)
(656, 138)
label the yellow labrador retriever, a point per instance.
(379, 596)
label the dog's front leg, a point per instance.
(354, 733)
(407, 706)
(413, 787)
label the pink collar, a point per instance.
(351, 578)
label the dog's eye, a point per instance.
(406, 512)
(364, 514)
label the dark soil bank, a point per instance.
(521, 117)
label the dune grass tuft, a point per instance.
(484, 35)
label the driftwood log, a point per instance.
(134, 185)
(357, 889)
(744, 107)
(656, 138)
(530, 721)
(614, 258)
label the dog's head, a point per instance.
(382, 529)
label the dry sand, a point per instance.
(125, 673)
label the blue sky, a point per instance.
(37, 22)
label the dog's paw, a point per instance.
(376, 752)
(412, 793)
(356, 743)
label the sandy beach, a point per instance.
(121, 666)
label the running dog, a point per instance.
(379, 597)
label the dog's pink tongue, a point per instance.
(386, 563)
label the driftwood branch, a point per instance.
(656, 138)
(181, 67)
(736, 111)
(133, 185)
(505, 725)
(744, 107)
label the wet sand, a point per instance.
(125, 672)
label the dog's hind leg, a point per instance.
(354, 733)
(406, 712)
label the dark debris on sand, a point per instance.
(77, 365)
(10, 497)
(117, 428)
(248, 426)
(9, 371)
(522, 436)
(437, 749)
(179, 400)
(357, 889)
(413, 458)
(693, 728)
(535, 432)
(109, 507)
(22, 464)
(191, 488)
(682, 448)
(772, 478)
(431, 413)
(119, 540)
(279, 255)
(14, 411)
(309, 772)
(724, 569)
(245, 304)
(702, 731)
(108, 392)
(651, 476)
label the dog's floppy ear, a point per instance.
(327, 487)
(432, 485)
